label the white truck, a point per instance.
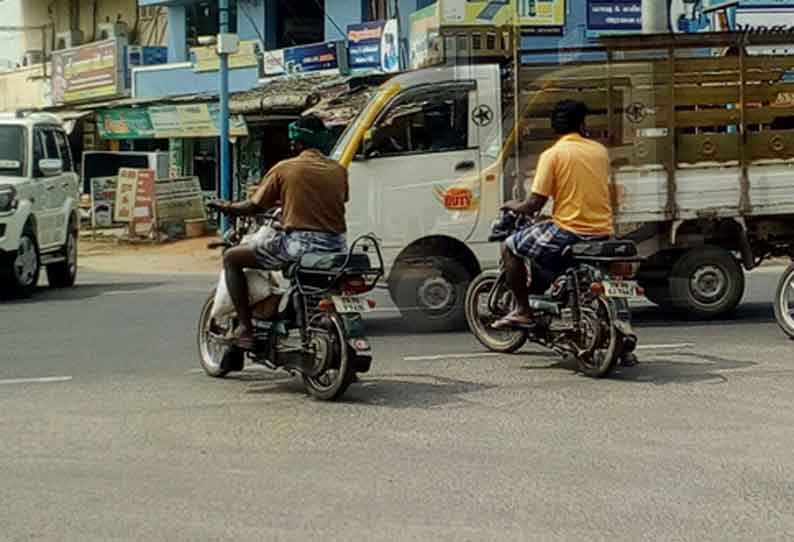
(39, 204)
(702, 152)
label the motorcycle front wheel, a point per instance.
(784, 302)
(480, 317)
(328, 342)
(216, 359)
(600, 342)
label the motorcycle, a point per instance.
(784, 302)
(581, 312)
(314, 329)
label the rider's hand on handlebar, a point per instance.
(219, 205)
(513, 206)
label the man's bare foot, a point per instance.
(513, 320)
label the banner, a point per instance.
(103, 198)
(192, 120)
(177, 200)
(373, 45)
(126, 123)
(205, 59)
(526, 13)
(87, 72)
(125, 195)
(607, 16)
(314, 58)
(143, 218)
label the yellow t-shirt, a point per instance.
(575, 174)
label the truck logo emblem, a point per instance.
(482, 116)
(636, 112)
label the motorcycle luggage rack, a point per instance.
(330, 277)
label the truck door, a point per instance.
(422, 163)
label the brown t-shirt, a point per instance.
(312, 190)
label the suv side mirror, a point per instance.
(50, 167)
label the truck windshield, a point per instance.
(12, 151)
(347, 136)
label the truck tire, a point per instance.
(64, 274)
(432, 296)
(706, 282)
(23, 267)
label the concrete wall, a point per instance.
(24, 88)
(10, 43)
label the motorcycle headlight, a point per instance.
(8, 199)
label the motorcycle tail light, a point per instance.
(355, 286)
(597, 288)
(624, 270)
(325, 305)
(371, 303)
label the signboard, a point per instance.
(192, 120)
(318, 57)
(103, 198)
(125, 195)
(177, 200)
(205, 59)
(87, 72)
(426, 44)
(373, 45)
(770, 17)
(525, 13)
(126, 123)
(607, 16)
(144, 200)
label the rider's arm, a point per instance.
(269, 192)
(542, 188)
(530, 207)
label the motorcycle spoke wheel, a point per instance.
(481, 316)
(598, 341)
(217, 359)
(327, 341)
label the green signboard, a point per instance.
(127, 123)
(167, 121)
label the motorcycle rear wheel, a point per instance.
(480, 318)
(601, 344)
(326, 333)
(216, 360)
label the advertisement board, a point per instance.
(88, 72)
(103, 198)
(205, 59)
(373, 45)
(426, 43)
(192, 120)
(614, 16)
(526, 13)
(315, 58)
(124, 206)
(143, 217)
(125, 123)
(177, 200)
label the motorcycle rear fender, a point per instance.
(359, 345)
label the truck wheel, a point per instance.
(24, 268)
(64, 274)
(706, 282)
(432, 296)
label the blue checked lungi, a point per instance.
(542, 244)
(277, 249)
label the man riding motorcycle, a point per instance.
(312, 190)
(574, 173)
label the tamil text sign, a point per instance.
(373, 45)
(87, 72)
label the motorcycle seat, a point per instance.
(333, 262)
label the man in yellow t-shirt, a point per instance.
(574, 173)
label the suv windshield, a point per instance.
(12, 151)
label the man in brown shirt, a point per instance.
(312, 190)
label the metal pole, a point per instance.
(226, 184)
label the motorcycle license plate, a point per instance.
(620, 289)
(345, 303)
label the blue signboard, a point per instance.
(605, 16)
(373, 46)
(312, 58)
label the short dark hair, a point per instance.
(311, 122)
(568, 116)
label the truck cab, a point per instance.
(39, 201)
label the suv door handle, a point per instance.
(66, 184)
(466, 165)
(50, 188)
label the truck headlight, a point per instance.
(8, 198)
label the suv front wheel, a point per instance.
(25, 266)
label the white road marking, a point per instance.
(42, 380)
(473, 355)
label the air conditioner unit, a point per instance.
(67, 40)
(33, 57)
(106, 31)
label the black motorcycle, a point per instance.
(313, 329)
(581, 311)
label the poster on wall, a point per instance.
(525, 13)
(126, 187)
(103, 197)
(374, 45)
(426, 43)
(87, 72)
(614, 16)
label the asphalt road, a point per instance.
(109, 432)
